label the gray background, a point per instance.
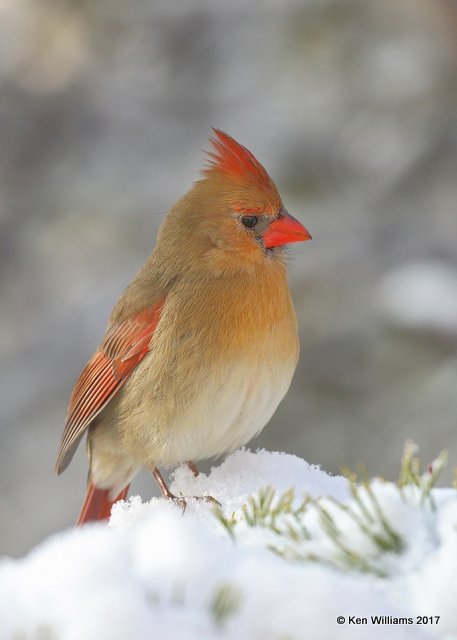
(105, 108)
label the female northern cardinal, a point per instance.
(202, 345)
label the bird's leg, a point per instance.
(193, 468)
(166, 491)
(168, 495)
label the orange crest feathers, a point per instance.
(233, 160)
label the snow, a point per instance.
(155, 572)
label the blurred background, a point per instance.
(105, 108)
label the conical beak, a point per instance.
(284, 230)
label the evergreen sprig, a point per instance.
(225, 601)
(412, 476)
(287, 520)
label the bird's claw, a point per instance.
(209, 499)
(181, 502)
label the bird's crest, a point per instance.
(230, 158)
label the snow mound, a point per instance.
(156, 573)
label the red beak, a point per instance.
(285, 230)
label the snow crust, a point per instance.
(155, 573)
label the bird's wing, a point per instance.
(123, 347)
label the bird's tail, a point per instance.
(97, 504)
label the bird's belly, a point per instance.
(225, 414)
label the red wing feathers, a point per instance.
(124, 346)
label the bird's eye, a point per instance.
(249, 221)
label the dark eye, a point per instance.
(249, 221)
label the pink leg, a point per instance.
(193, 468)
(166, 491)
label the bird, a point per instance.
(201, 346)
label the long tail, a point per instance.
(97, 504)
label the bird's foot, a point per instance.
(180, 501)
(209, 499)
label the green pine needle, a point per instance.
(290, 537)
(226, 600)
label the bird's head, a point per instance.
(236, 210)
